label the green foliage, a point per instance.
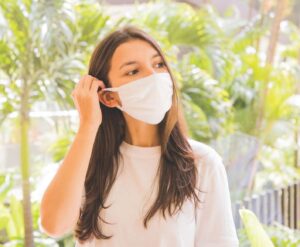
(11, 217)
(211, 108)
(59, 147)
(283, 236)
(255, 231)
(46, 45)
(43, 54)
(217, 62)
(280, 235)
(256, 235)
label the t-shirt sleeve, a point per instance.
(214, 222)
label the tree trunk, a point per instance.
(280, 8)
(250, 9)
(25, 166)
(264, 9)
(297, 140)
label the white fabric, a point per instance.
(214, 226)
(146, 99)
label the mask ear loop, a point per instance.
(112, 89)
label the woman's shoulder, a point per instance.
(207, 158)
(204, 150)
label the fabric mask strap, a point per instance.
(111, 89)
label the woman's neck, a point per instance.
(138, 133)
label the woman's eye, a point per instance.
(133, 72)
(162, 64)
(129, 73)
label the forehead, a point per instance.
(131, 50)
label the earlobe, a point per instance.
(108, 99)
(100, 97)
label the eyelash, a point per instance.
(162, 63)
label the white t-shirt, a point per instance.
(131, 197)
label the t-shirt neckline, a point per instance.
(140, 151)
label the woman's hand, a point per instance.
(86, 100)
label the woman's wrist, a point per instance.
(88, 128)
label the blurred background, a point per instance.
(237, 64)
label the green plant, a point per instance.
(255, 231)
(283, 236)
(43, 49)
(256, 235)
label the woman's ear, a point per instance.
(110, 99)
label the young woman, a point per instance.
(132, 176)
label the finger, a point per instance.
(81, 82)
(75, 102)
(88, 82)
(77, 86)
(74, 93)
(97, 85)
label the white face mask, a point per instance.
(146, 99)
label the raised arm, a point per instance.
(61, 201)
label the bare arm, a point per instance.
(62, 199)
(60, 205)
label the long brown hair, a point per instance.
(177, 170)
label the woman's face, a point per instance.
(132, 60)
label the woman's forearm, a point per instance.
(62, 199)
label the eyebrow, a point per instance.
(133, 62)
